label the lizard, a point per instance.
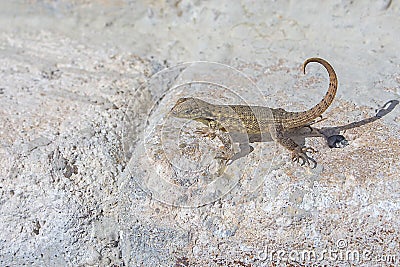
(255, 122)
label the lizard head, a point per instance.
(189, 108)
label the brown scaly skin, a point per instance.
(255, 121)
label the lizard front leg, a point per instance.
(298, 153)
(212, 130)
(215, 129)
(227, 150)
(228, 153)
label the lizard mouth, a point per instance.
(174, 110)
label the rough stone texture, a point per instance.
(75, 99)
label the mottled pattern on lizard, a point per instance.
(254, 122)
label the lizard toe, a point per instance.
(302, 158)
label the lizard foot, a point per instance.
(301, 156)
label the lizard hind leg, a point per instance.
(299, 154)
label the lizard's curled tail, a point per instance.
(310, 115)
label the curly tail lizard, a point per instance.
(256, 121)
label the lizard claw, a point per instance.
(302, 158)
